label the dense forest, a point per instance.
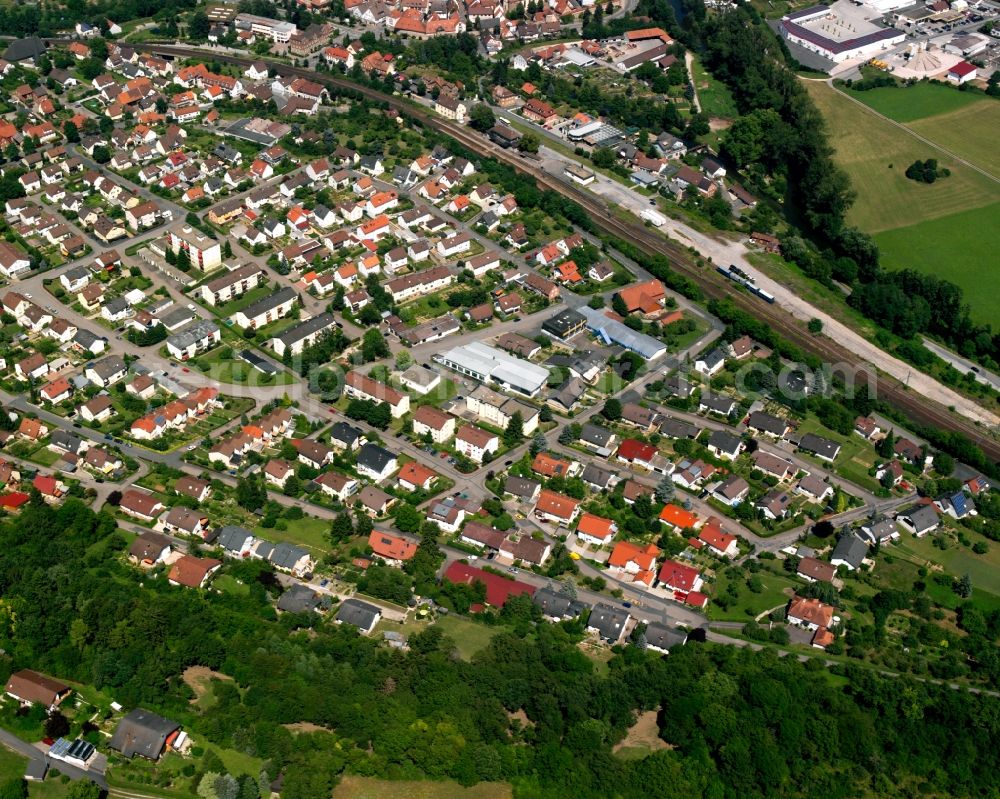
(740, 724)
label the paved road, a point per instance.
(964, 365)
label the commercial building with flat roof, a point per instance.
(611, 331)
(839, 34)
(488, 364)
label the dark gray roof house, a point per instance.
(822, 448)
(596, 436)
(598, 477)
(521, 487)
(663, 638)
(285, 556)
(716, 403)
(30, 48)
(678, 386)
(920, 519)
(373, 457)
(678, 428)
(359, 614)
(766, 423)
(880, 531)
(142, 732)
(609, 622)
(345, 435)
(65, 441)
(849, 552)
(234, 539)
(301, 599)
(725, 445)
(558, 606)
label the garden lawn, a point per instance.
(308, 531)
(748, 604)
(469, 636)
(11, 764)
(908, 103)
(238, 372)
(957, 560)
(856, 456)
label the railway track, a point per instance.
(712, 285)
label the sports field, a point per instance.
(904, 104)
(940, 228)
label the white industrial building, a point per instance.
(488, 364)
(840, 36)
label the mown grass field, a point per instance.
(938, 228)
(352, 787)
(970, 132)
(876, 154)
(918, 101)
(957, 247)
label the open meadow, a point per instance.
(937, 228)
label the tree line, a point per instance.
(739, 723)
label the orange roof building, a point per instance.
(647, 297)
(596, 529)
(678, 518)
(416, 475)
(391, 547)
(547, 466)
(717, 540)
(635, 560)
(556, 507)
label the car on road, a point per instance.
(185, 369)
(77, 424)
(514, 570)
(507, 463)
(107, 436)
(652, 202)
(191, 447)
(626, 604)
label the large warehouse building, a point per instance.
(838, 34)
(488, 364)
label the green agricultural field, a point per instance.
(970, 132)
(916, 102)
(958, 560)
(876, 153)
(938, 228)
(955, 247)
